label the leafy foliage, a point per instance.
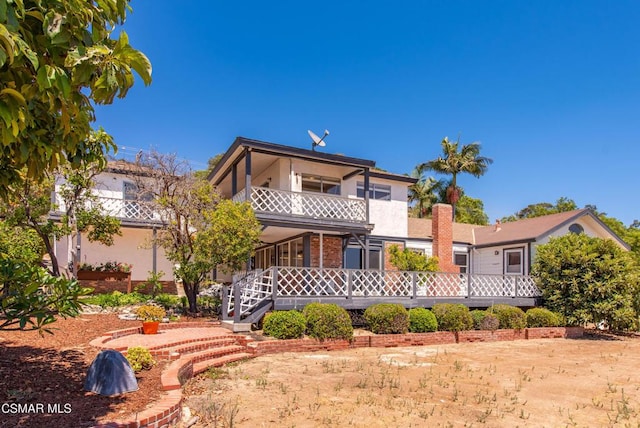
(471, 211)
(387, 318)
(327, 321)
(542, 317)
(422, 320)
(20, 245)
(454, 162)
(284, 324)
(140, 358)
(58, 60)
(150, 313)
(114, 299)
(452, 316)
(407, 260)
(588, 280)
(540, 209)
(509, 316)
(202, 231)
(32, 298)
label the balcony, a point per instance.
(306, 205)
(124, 210)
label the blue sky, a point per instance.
(551, 89)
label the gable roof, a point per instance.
(533, 229)
(525, 230)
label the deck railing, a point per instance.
(292, 282)
(305, 204)
(120, 208)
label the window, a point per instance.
(381, 192)
(317, 184)
(354, 257)
(576, 228)
(513, 261)
(291, 253)
(264, 258)
(460, 259)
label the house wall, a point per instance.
(490, 260)
(331, 251)
(132, 247)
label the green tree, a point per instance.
(540, 209)
(201, 231)
(20, 245)
(407, 260)
(471, 211)
(454, 162)
(588, 280)
(28, 203)
(57, 60)
(422, 194)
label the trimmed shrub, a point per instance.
(422, 320)
(477, 315)
(327, 321)
(483, 320)
(385, 318)
(140, 358)
(284, 324)
(452, 316)
(509, 316)
(541, 317)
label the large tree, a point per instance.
(588, 280)
(58, 59)
(422, 194)
(466, 160)
(563, 204)
(202, 231)
(471, 211)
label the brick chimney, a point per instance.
(442, 229)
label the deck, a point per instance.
(283, 288)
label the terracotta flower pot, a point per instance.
(150, 327)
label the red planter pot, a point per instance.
(150, 327)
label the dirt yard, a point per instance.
(540, 383)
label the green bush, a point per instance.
(115, 299)
(452, 316)
(284, 324)
(483, 320)
(422, 320)
(208, 305)
(170, 302)
(385, 318)
(327, 321)
(542, 317)
(477, 315)
(140, 358)
(509, 316)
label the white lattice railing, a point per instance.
(120, 208)
(253, 288)
(290, 282)
(305, 204)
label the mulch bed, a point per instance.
(50, 370)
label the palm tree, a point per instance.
(454, 162)
(423, 192)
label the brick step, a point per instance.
(202, 366)
(181, 370)
(191, 341)
(174, 352)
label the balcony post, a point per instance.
(274, 281)
(515, 288)
(237, 303)
(468, 285)
(225, 302)
(247, 182)
(414, 282)
(366, 195)
(349, 285)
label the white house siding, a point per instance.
(490, 260)
(132, 247)
(591, 228)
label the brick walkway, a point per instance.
(167, 337)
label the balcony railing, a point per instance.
(121, 209)
(306, 204)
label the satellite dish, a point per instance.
(317, 141)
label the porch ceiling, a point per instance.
(273, 234)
